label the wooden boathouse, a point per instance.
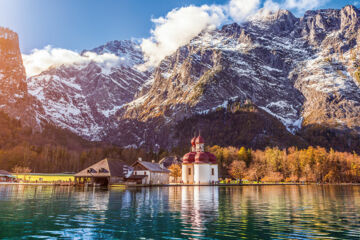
(106, 172)
(5, 176)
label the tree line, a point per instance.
(313, 164)
(55, 150)
(58, 159)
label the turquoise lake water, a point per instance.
(241, 212)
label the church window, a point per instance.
(212, 172)
(189, 170)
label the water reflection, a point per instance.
(194, 204)
(199, 212)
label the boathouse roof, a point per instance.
(106, 168)
(4, 173)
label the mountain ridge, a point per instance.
(302, 72)
(292, 57)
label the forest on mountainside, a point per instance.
(57, 150)
(54, 149)
(245, 124)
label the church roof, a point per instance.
(212, 158)
(193, 141)
(201, 157)
(189, 157)
(199, 140)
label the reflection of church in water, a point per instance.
(198, 205)
(199, 167)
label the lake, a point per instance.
(237, 212)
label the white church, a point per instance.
(198, 166)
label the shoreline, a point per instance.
(37, 184)
(246, 184)
(187, 185)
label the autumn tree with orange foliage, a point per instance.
(237, 169)
(19, 169)
(314, 164)
(175, 171)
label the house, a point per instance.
(199, 167)
(106, 172)
(5, 176)
(155, 172)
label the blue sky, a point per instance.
(84, 24)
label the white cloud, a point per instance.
(178, 28)
(40, 60)
(240, 10)
(299, 6)
(268, 9)
(269, 5)
(302, 5)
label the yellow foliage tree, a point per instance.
(19, 169)
(237, 170)
(175, 171)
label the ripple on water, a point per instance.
(251, 212)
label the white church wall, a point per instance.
(201, 173)
(188, 173)
(214, 177)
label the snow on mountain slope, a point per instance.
(85, 97)
(303, 71)
(239, 62)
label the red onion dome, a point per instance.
(199, 139)
(193, 141)
(201, 157)
(212, 158)
(189, 157)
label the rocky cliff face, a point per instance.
(303, 71)
(249, 62)
(85, 97)
(14, 98)
(328, 79)
(296, 73)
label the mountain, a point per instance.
(275, 80)
(85, 97)
(303, 71)
(14, 98)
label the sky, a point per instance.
(85, 24)
(53, 32)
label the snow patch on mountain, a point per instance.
(85, 98)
